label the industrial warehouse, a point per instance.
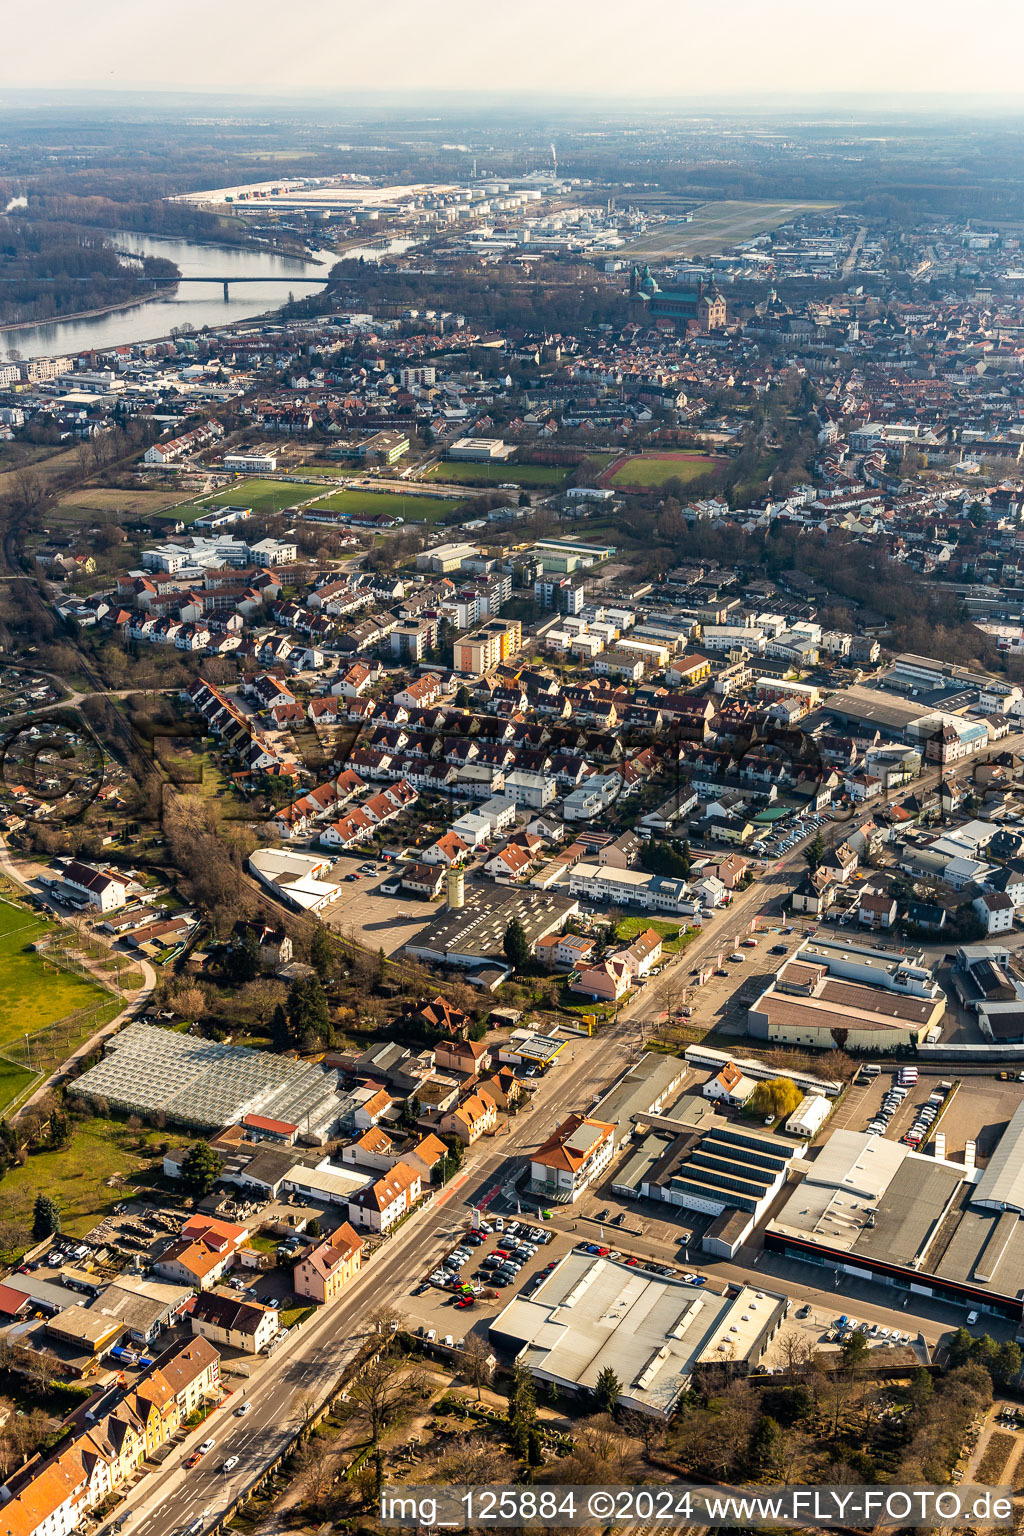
(831, 992)
(870, 1207)
(470, 932)
(592, 1315)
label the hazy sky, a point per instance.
(668, 48)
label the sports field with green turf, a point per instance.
(414, 509)
(33, 992)
(261, 495)
(338, 471)
(648, 471)
(490, 476)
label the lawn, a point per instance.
(414, 509)
(260, 1244)
(648, 471)
(13, 1082)
(493, 475)
(674, 936)
(33, 993)
(106, 499)
(261, 495)
(329, 469)
(76, 1176)
(289, 1316)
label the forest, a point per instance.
(48, 271)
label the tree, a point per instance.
(321, 953)
(959, 1348)
(522, 1401)
(814, 852)
(778, 1097)
(379, 1394)
(201, 1169)
(188, 1002)
(767, 1445)
(855, 1350)
(607, 1389)
(1006, 1366)
(516, 945)
(279, 1031)
(385, 1319)
(922, 1391)
(244, 959)
(477, 1363)
(308, 1016)
(45, 1217)
(261, 997)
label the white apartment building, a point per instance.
(616, 887)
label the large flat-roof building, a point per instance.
(832, 994)
(473, 934)
(868, 1206)
(592, 1315)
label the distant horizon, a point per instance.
(577, 48)
(786, 102)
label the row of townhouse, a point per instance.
(363, 820)
(299, 818)
(177, 447)
(238, 732)
(106, 1441)
(184, 636)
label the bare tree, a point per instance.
(477, 1363)
(380, 1394)
(385, 1319)
(643, 1427)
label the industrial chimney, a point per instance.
(455, 887)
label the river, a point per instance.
(188, 304)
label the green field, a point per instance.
(33, 993)
(718, 226)
(135, 503)
(490, 476)
(414, 509)
(13, 1082)
(76, 1176)
(329, 469)
(650, 470)
(673, 935)
(261, 495)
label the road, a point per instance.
(311, 1360)
(851, 260)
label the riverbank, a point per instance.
(79, 314)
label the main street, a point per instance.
(303, 1370)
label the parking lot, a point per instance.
(809, 1329)
(435, 1303)
(381, 922)
(977, 1111)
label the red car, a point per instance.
(193, 1461)
(603, 1253)
(467, 1301)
